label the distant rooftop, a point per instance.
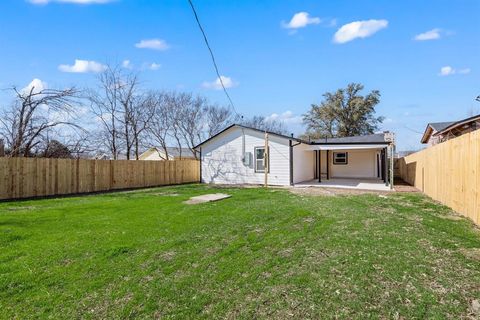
(175, 152)
(439, 126)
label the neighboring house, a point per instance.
(174, 153)
(401, 154)
(442, 131)
(101, 156)
(105, 156)
(236, 155)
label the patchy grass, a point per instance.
(259, 254)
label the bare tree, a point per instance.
(33, 113)
(217, 119)
(123, 110)
(106, 107)
(127, 89)
(162, 122)
(261, 123)
(190, 117)
(185, 120)
(176, 107)
(141, 116)
(55, 149)
(80, 143)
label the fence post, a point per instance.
(2, 148)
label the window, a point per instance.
(260, 161)
(340, 158)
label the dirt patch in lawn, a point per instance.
(21, 208)
(448, 217)
(166, 194)
(402, 186)
(471, 253)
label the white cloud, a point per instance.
(154, 44)
(216, 85)
(301, 20)
(448, 71)
(82, 66)
(70, 1)
(287, 117)
(358, 29)
(37, 85)
(433, 34)
(127, 64)
(464, 71)
(154, 66)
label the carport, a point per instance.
(367, 166)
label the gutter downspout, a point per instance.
(291, 161)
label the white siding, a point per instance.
(222, 158)
(361, 164)
(154, 155)
(303, 163)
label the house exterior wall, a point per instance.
(433, 141)
(361, 164)
(323, 162)
(154, 155)
(222, 162)
(303, 163)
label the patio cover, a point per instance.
(347, 146)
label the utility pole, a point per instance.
(266, 163)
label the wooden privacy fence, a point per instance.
(36, 177)
(448, 172)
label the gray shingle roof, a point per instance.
(175, 152)
(371, 138)
(439, 126)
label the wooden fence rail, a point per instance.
(448, 172)
(36, 177)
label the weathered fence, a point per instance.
(36, 177)
(448, 172)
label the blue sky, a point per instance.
(274, 64)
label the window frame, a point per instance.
(340, 163)
(255, 160)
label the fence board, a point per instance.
(36, 177)
(448, 172)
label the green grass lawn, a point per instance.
(263, 253)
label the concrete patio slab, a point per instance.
(207, 198)
(347, 183)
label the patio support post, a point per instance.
(328, 167)
(385, 166)
(382, 164)
(316, 164)
(319, 165)
(392, 176)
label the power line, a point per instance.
(212, 56)
(413, 130)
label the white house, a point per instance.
(236, 155)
